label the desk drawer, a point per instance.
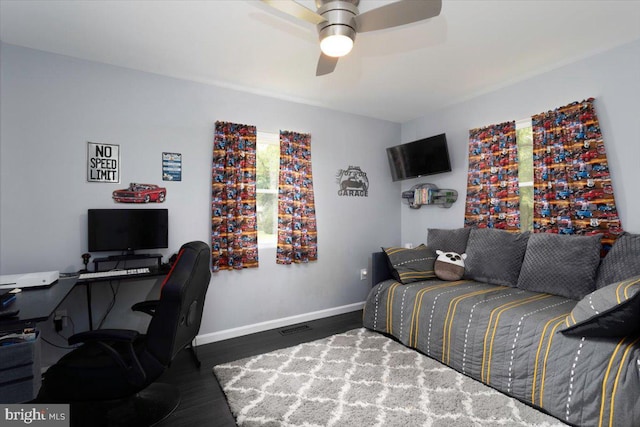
(8, 375)
(19, 391)
(20, 376)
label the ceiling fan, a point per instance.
(338, 21)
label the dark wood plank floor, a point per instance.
(203, 402)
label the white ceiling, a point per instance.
(473, 47)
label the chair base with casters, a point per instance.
(111, 358)
(110, 379)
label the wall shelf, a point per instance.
(429, 194)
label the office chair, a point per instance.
(110, 378)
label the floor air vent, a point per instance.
(294, 330)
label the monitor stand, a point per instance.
(126, 257)
(130, 256)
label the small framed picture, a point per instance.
(171, 167)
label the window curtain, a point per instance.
(492, 188)
(297, 233)
(234, 237)
(573, 193)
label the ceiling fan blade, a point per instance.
(398, 13)
(326, 64)
(296, 10)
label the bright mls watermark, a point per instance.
(35, 415)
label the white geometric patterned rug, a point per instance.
(361, 378)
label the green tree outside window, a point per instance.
(524, 139)
(267, 167)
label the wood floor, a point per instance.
(203, 402)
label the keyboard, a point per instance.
(114, 274)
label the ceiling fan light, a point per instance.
(336, 45)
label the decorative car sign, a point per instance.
(140, 193)
(352, 182)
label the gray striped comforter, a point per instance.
(509, 339)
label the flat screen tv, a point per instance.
(127, 229)
(426, 156)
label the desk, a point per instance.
(37, 304)
(20, 376)
(154, 272)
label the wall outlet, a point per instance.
(363, 274)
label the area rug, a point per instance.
(361, 378)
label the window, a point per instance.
(524, 139)
(267, 167)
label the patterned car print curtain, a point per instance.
(234, 236)
(297, 233)
(492, 189)
(573, 193)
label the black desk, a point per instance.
(21, 361)
(154, 272)
(37, 304)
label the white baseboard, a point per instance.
(274, 324)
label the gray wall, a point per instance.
(52, 105)
(612, 77)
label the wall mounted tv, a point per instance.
(426, 156)
(127, 230)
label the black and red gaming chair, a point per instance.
(114, 370)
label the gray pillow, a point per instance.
(561, 265)
(495, 256)
(448, 240)
(411, 265)
(622, 261)
(612, 311)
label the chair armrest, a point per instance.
(148, 307)
(121, 335)
(132, 368)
